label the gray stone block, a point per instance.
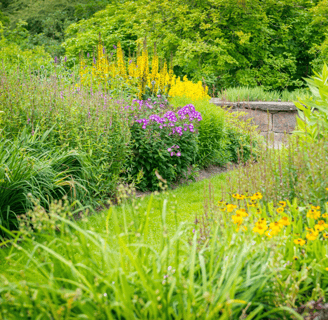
(284, 121)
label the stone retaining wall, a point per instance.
(276, 118)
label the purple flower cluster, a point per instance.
(172, 152)
(169, 119)
(189, 110)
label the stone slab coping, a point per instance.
(257, 105)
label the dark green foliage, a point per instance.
(48, 19)
(268, 43)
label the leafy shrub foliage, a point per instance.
(223, 136)
(226, 43)
(162, 140)
(313, 111)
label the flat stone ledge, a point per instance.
(270, 106)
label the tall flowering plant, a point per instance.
(162, 139)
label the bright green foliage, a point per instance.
(33, 170)
(226, 43)
(313, 112)
(13, 56)
(212, 139)
(259, 94)
(320, 21)
(78, 273)
(297, 171)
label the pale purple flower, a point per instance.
(130, 61)
(28, 120)
(169, 149)
(172, 154)
(114, 46)
(88, 55)
(56, 59)
(193, 231)
(178, 154)
(65, 59)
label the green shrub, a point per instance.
(213, 140)
(223, 136)
(162, 140)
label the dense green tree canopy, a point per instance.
(48, 19)
(226, 42)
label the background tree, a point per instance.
(224, 42)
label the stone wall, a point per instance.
(275, 118)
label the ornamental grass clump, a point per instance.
(67, 271)
(298, 169)
(162, 140)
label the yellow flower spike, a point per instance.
(280, 210)
(282, 203)
(300, 242)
